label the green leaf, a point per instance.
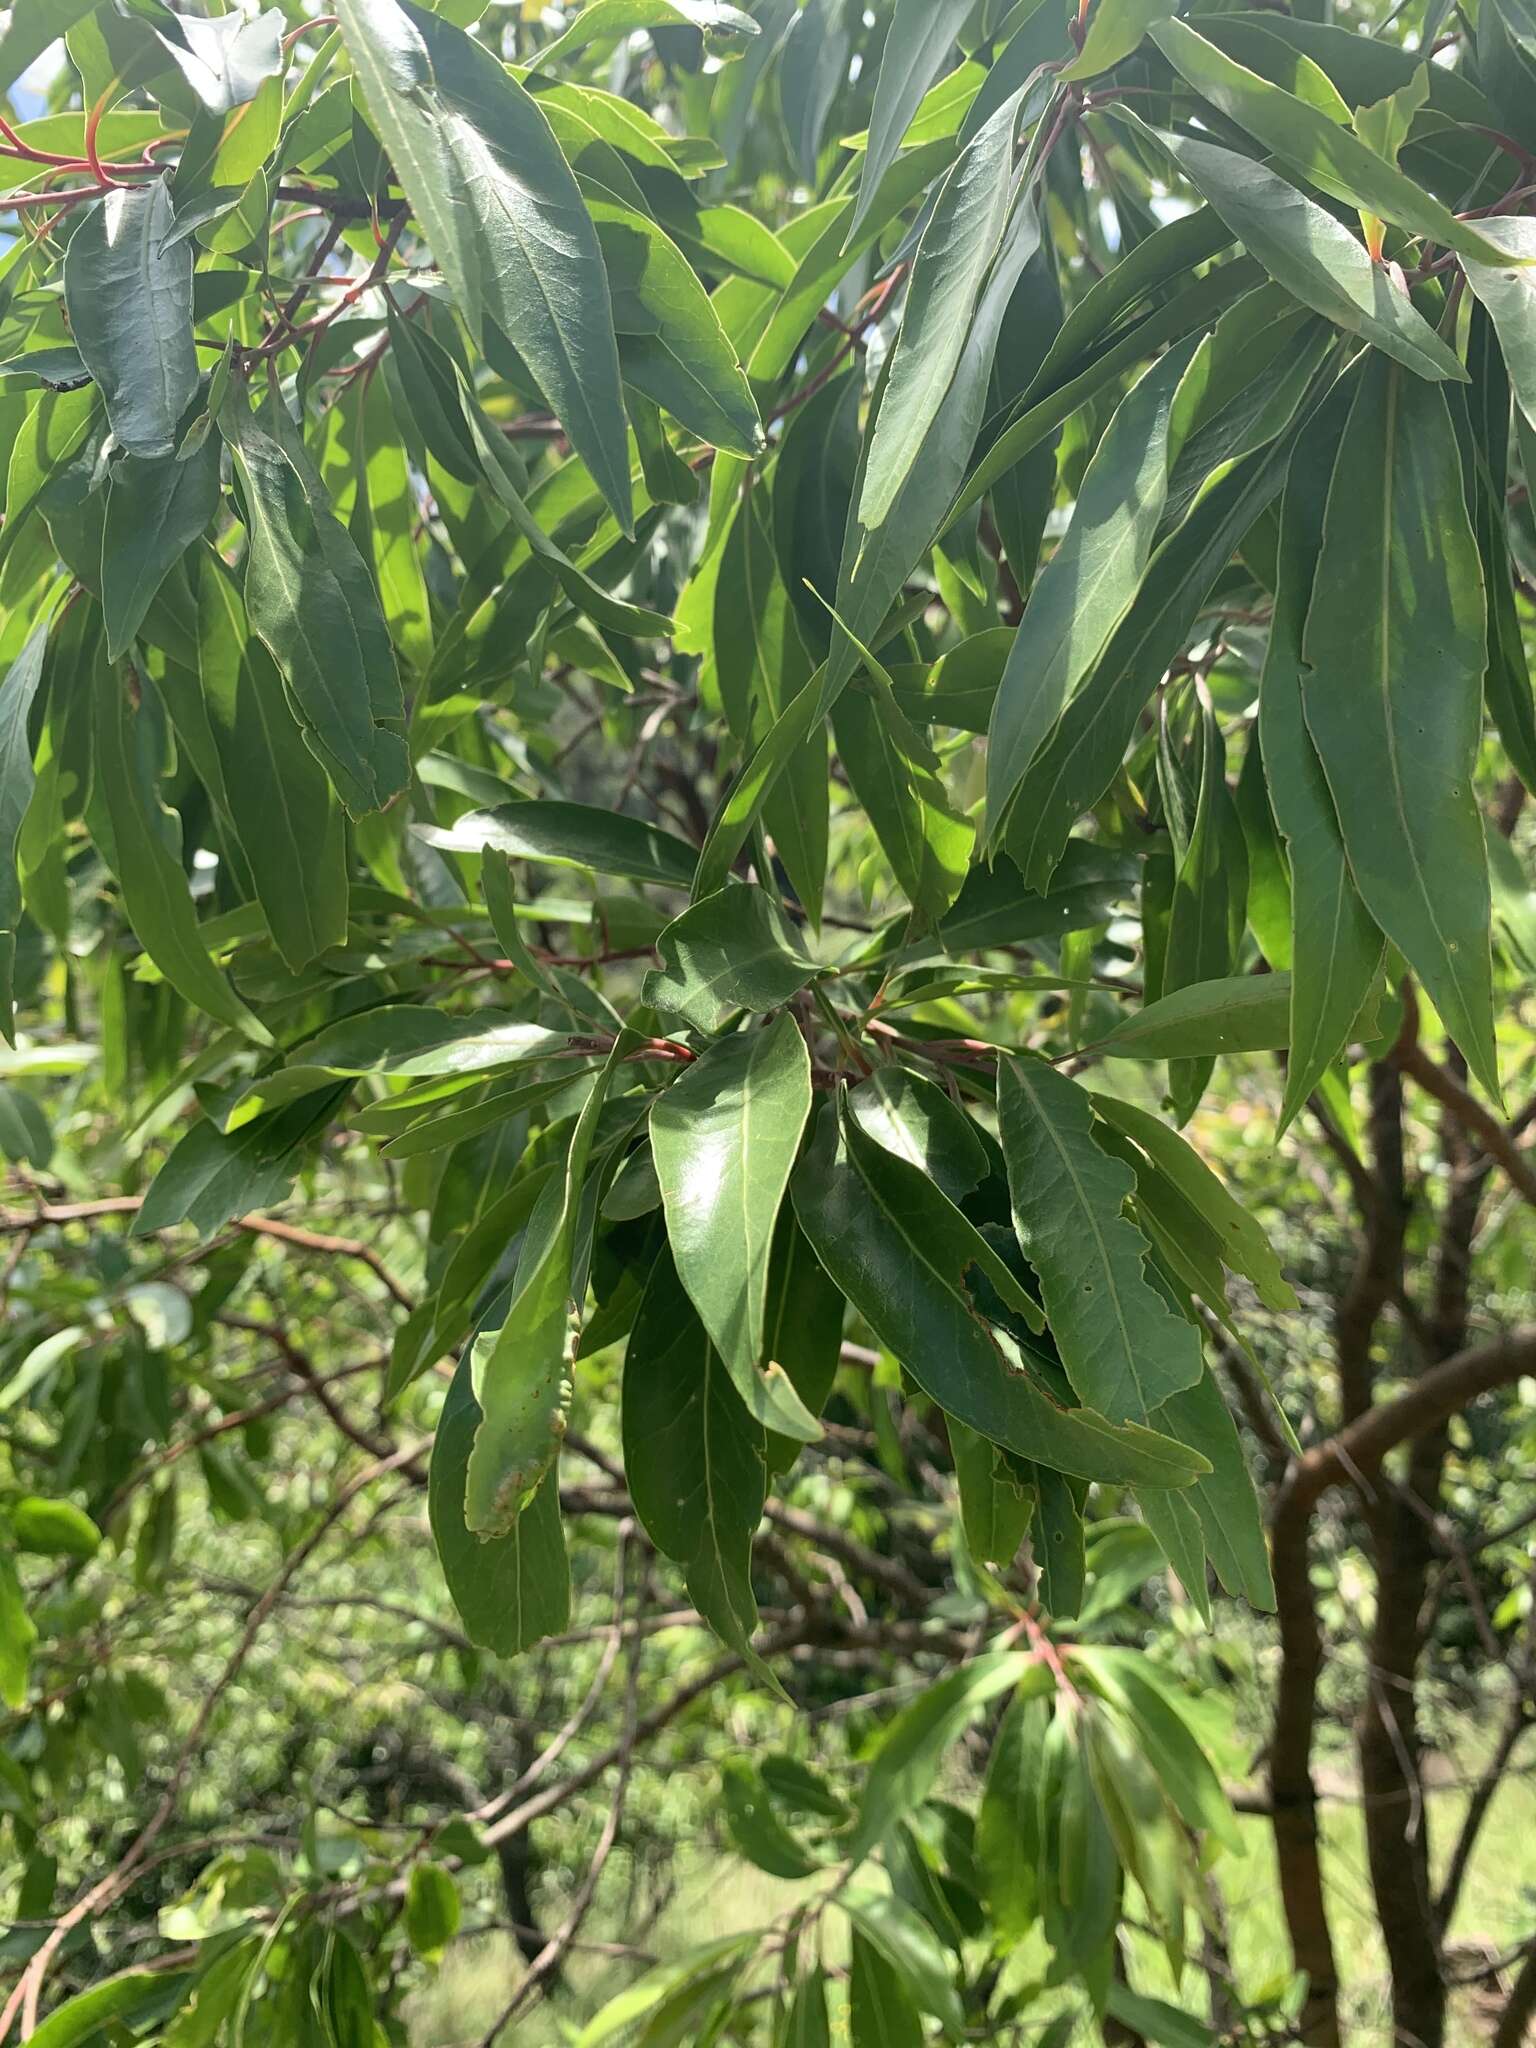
(1223, 1498)
(53, 1528)
(1314, 256)
(432, 1909)
(641, 1998)
(17, 782)
(18, 1632)
(1336, 950)
(724, 1138)
(1508, 291)
(725, 28)
(911, 1291)
(570, 835)
(914, 1118)
(521, 1374)
(997, 1497)
(919, 38)
(881, 2013)
(735, 950)
(1243, 1013)
(82, 2017)
(510, 1590)
(1332, 158)
(1115, 30)
(312, 602)
(156, 509)
(211, 1175)
(693, 1456)
(409, 1039)
(503, 214)
(1123, 1349)
(897, 778)
(129, 297)
(1087, 584)
(225, 59)
(1244, 1246)
(671, 344)
(970, 211)
(912, 1750)
(1008, 1822)
(1394, 652)
(276, 793)
(155, 894)
(806, 2024)
(755, 1827)
(909, 1945)
(30, 27)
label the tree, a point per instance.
(514, 533)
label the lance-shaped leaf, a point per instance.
(1114, 31)
(1087, 584)
(735, 950)
(1080, 758)
(970, 211)
(129, 298)
(570, 835)
(312, 602)
(918, 40)
(1123, 1348)
(671, 344)
(897, 778)
(1244, 1246)
(155, 893)
(1337, 949)
(503, 215)
(1231, 1519)
(224, 59)
(1483, 431)
(1394, 653)
(727, 29)
(1240, 1013)
(1508, 290)
(212, 1175)
(522, 1372)
(17, 780)
(281, 804)
(907, 1280)
(914, 1746)
(914, 1118)
(510, 1590)
(1332, 157)
(156, 509)
(693, 1456)
(724, 1138)
(1309, 252)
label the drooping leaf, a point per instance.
(18, 692)
(312, 602)
(724, 1138)
(570, 835)
(1088, 582)
(156, 508)
(130, 311)
(970, 211)
(502, 213)
(693, 1455)
(911, 1290)
(511, 1589)
(1394, 653)
(1124, 1350)
(1337, 949)
(521, 1374)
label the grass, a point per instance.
(721, 1895)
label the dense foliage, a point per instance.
(529, 1000)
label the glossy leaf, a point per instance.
(735, 950)
(724, 1137)
(1394, 654)
(130, 312)
(503, 215)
